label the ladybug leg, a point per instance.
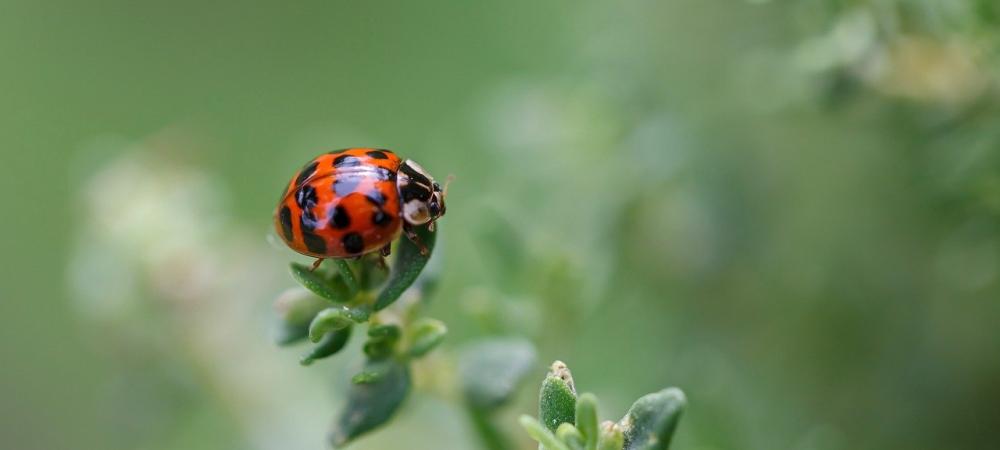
(316, 264)
(412, 236)
(387, 250)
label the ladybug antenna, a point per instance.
(447, 182)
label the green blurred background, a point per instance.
(789, 209)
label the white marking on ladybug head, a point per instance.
(422, 198)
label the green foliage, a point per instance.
(491, 370)
(570, 422)
(373, 399)
(651, 421)
(362, 292)
(425, 335)
(410, 261)
(330, 344)
(296, 308)
(540, 433)
(586, 419)
(557, 398)
(332, 289)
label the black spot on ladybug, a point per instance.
(306, 172)
(346, 161)
(339, 218)
(346, 184)
(375, 196)
(308, 220)
(380, 218)
(377, 154)
(306, 197)
(285, 217)
(353, 243)
(314, 243)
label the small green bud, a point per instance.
(557, 398)
(611, 437)
(541, 434)
(387, 331)
(425, 335)
(586, 419)
(570, 436)
(328, 320)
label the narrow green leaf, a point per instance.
(611, 437)
(335, 318)
(557, 398)
(371, 405)
(570, 436)
(330, 344)
(425, 334)
(319, 285)
(407, 266)
(586, 419)
(651, 421)
(492, 370)
(538, 432)
(347, 275)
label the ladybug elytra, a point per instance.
(351, 202)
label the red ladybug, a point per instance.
(350, 202)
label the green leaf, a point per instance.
(381, 341)
(347, 275)
(330, 344)
(557, 398)
(320, 285)
(651, 421)
(377, 348)
(568, 434)
(388, 332)
(367, 377)
(295, 308)
(610, 437)
(541, 434)
(407, 266)
(373, 372)
(336, 318)
(491, 370)
(370, 405)
(586, 419)
(425, 334)
(372, 271)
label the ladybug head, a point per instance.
(422, 197)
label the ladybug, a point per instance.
(347, 203)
